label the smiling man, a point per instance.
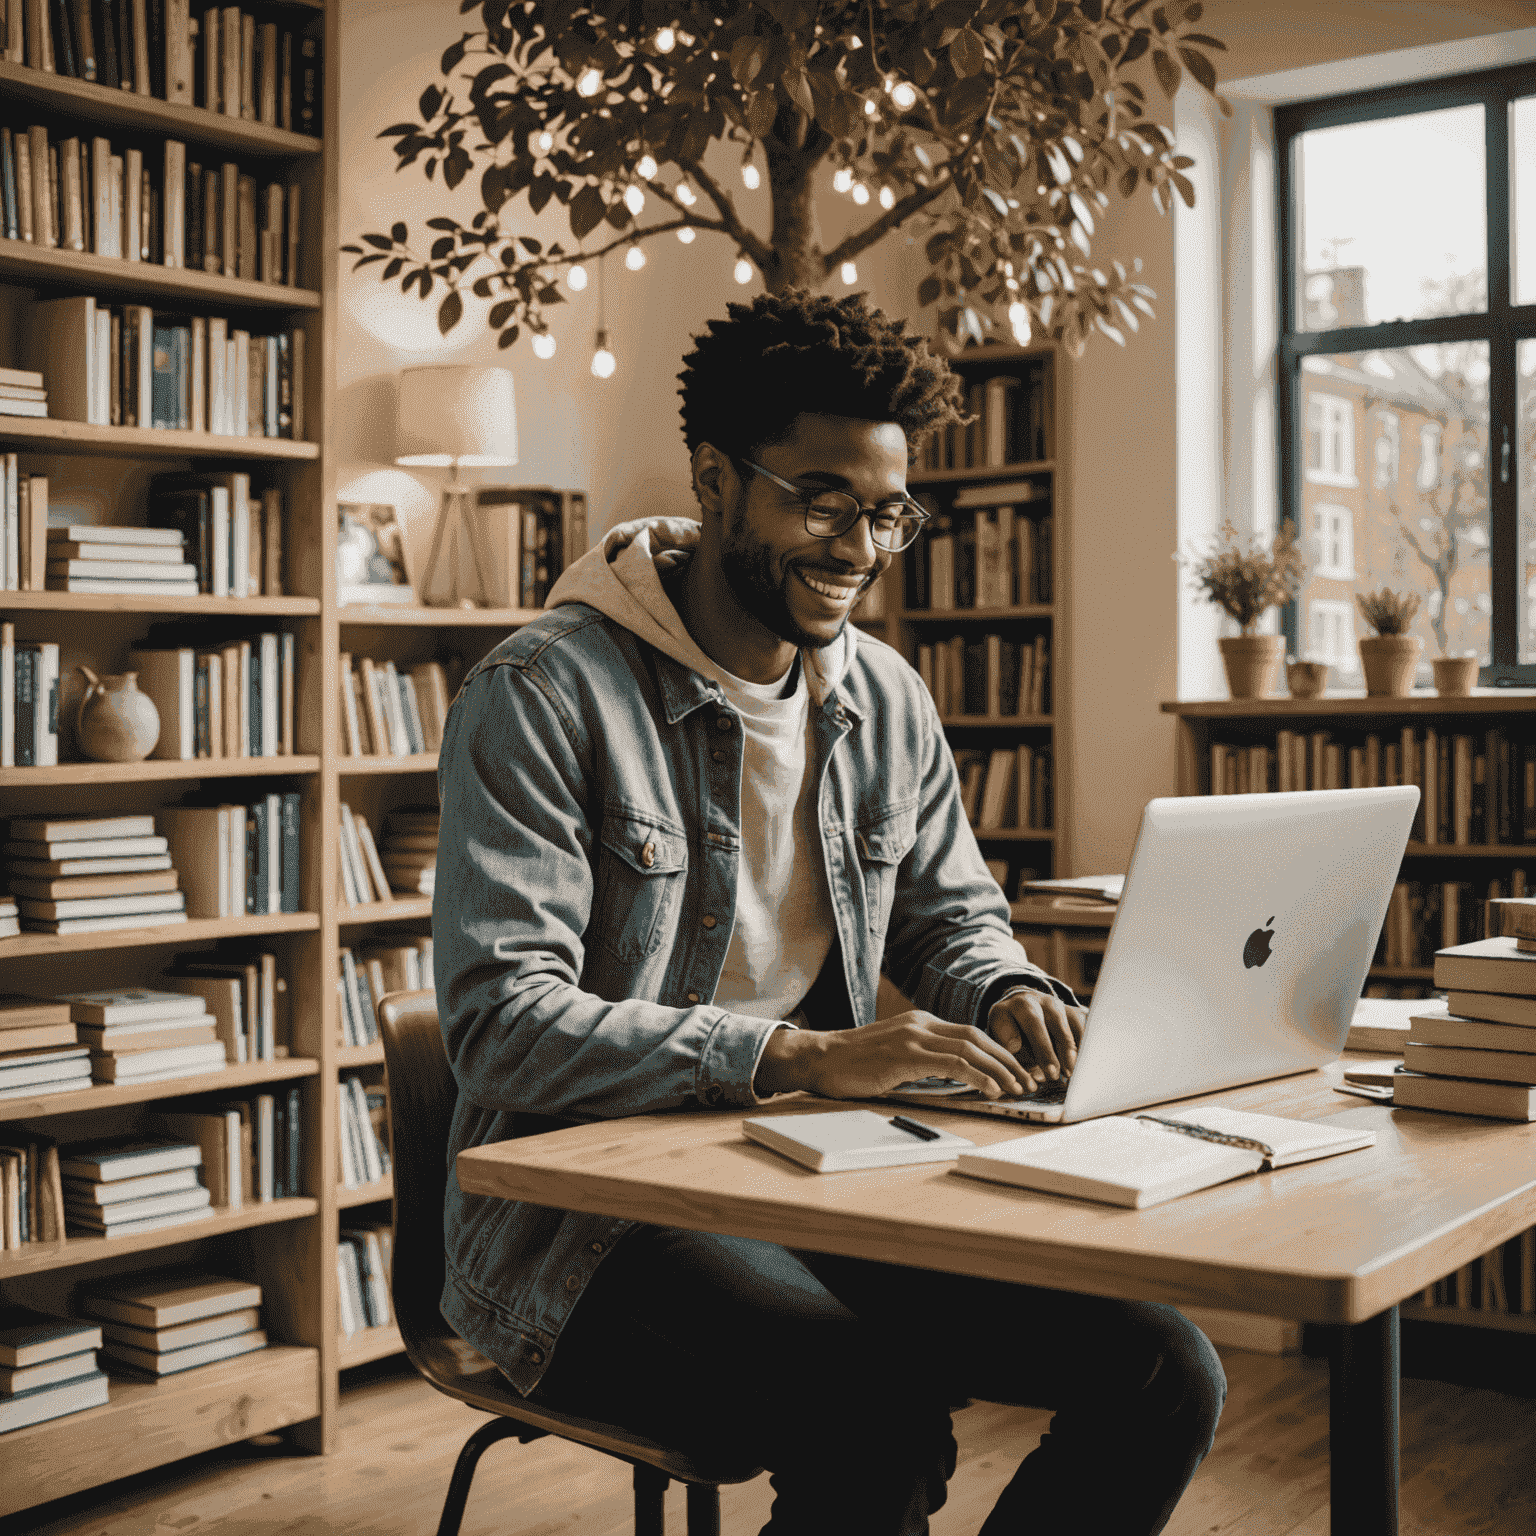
(689, 817)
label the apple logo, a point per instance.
(1256, 950)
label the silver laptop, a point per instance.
(1237, 953)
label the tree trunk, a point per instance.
(796, 236)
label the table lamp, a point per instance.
(456, 417)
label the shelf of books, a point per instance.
(168, 632)
(974, 605)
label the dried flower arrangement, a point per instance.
(1386, 611)
(1246, 582)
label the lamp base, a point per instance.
(456, 522)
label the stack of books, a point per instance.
(245, 993)
(40, 1051)
(91, 557)
(22, 393)
(47, 1367)
(233, 535)
(364, 1257)
(10, 915)
(252, 1148)
(1475, 1053)
(363, 1143)
(84, 874)
(31, 1194)
(409, 854)
(140, 1036)
(389, 712)
(156, 1324)
(115, 1188)
(29, 699)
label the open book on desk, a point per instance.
(1095, 888)
(1142, 1160)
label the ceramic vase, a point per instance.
(1456, 675)
(116, 723)
(1252, 663)
(1389, 663)
(1306, 679)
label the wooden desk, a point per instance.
(1340, 1242)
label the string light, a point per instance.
(589, 82)
(750, 179)
(850, 273)
(842, 179)
(544, 345)
(887, 198)
(546, 142)
(860, 193)
(646, 168)
(870, 108)
(603, 361)
(576, 279)
(634, 258)
(666, 40)
(634, 199)
(744, 270)
(685, 234)
(1018, 318)
(685, 195)
(904, 95)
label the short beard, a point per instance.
(748, 570)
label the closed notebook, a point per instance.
(851, 1138)
(1142, 1160)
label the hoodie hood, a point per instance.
(621, 578)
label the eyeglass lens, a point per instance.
(893, 526)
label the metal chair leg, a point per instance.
(703, 1509)
(464, 1471)
(650, 1486)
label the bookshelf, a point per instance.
(287, 1244)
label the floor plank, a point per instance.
(1467, 1458)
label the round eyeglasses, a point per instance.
(829, 514)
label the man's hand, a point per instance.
(1041, 1031)
(861, 1063)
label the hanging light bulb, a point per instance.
(543, 345)
(603, 361)
(850, 273)
(842, 179)
(860, 193)
(666, 40)
(546, 142)
(685, 194)
(589, 82)
(576, 279)
(744, 270)
(904, 95)
(634, 258)
(750, 179)
(1018, 318)
(870, 108)
(685, 234)
(887, 198)
(646, 168)
(634, 199)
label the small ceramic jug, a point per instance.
(115, 722)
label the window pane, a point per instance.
(1390, 219)
(1523, 452)
(1397, 496)
(1522, 150)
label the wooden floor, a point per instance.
(1468, 1456)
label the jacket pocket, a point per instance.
(640, 873)
(882, 845)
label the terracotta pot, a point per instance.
(115, 723)
(1306, 679)
(1389, 663)
(1455, 674)
(1253, 664)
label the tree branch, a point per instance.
(759, 249)
(877, 229)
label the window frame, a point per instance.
(1502, 327)
(1344, 613)
(1343, 570)
(1338, 420)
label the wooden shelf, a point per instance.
(365, 1194)
(146, 1423)
(1470, 1317)
(383, 911)
(1033, 914)
(369, 1344)
(979, 472)
(202, 605)
(151, 771)
(994, 722)
(36, 1258)
(1481, 701)
(78, 437)
(233, 1079)
(23, 262)
(1471, 850)
(193, 931)
(417, 762)
(1013, 835)
(977, 615)
(407, 615)
(124, 109)
(1403, 972)
(360, 1055)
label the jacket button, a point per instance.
(718, 755)
(535, 1354)
(648, 855)
(573, 1282)
(709, 921)
(693, 997)
(597, 1247)
(723, 723)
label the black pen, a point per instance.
(915, 1128)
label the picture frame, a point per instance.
(373, 563)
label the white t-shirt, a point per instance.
(784, 923)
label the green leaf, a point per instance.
(380, 242)
(501, 313)
(587, 210)
(448, 224)
(363, 261)
(967, 54)
(748, 55)
(928, 291)
(1200, 67)
(541, 191)
(441, 248)
(1134, 49)
(507, 338)
(761, 111)
(431, 100)
(1168, 72)
(392, 271)
(533, 247)
(399, 233)
(397, 130)
(453, 55)
(456, 166)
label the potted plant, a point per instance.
(1455, 674)
(1245, 582)
(1390, 657)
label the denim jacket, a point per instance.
(590, 794)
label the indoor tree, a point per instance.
(994, 130)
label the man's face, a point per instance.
(796, 586)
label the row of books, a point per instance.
(22, 393)
(364, 1265)
(23, 527)
(1007, 423)
(216, 57)
(1010, 787)
(389, 711)
(990, 678)
(29, 701)
(238, 860)
(1475, 790)
(124, 365)
(1503, 1280)
(232, 535)
(80, 194)
(992, 556)
(363, 1143)
(365, 976)
(1425, 916)
(405, 862)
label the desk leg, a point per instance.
(1363, 1382)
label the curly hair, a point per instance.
(787, 354)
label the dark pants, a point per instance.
(839, 1375)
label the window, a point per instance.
(1408, 274)
(1330, 440)
(1334, 532)
(1331, 633)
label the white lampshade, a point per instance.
(456, 416)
